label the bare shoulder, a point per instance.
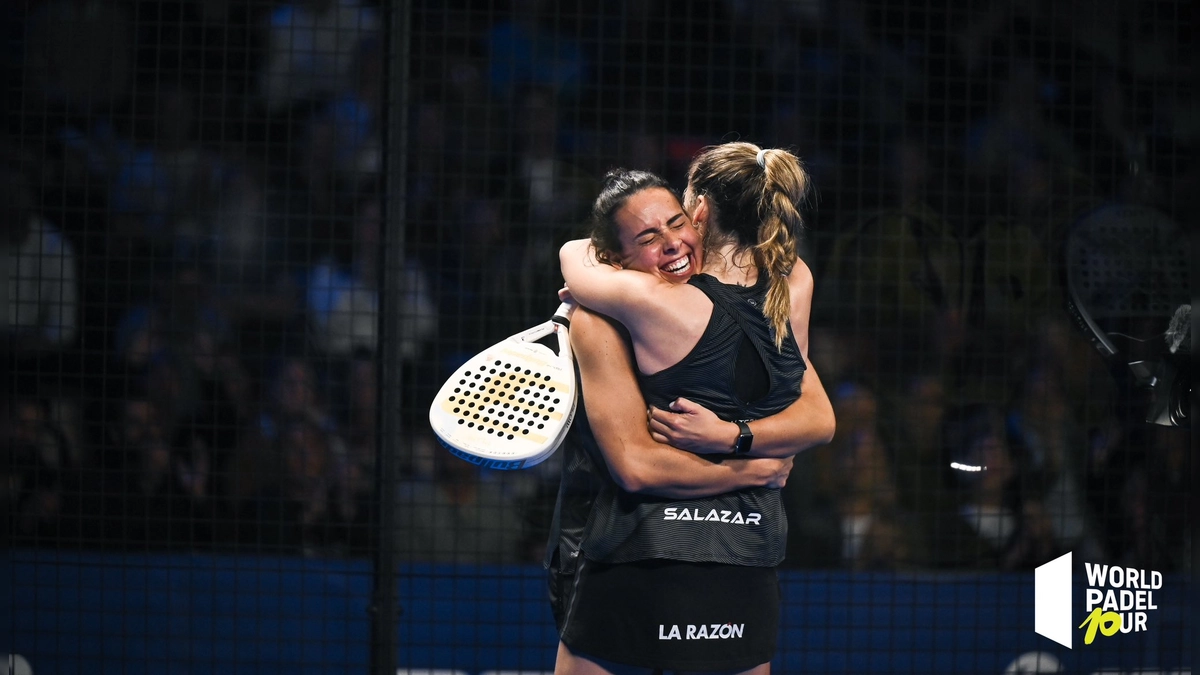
(800, 290)
(801, 278)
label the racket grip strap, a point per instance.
(563, 315)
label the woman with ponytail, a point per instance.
(746, 200)
(720, 357)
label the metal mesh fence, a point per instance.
(245, 243)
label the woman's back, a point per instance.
(734, 368)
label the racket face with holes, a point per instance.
(510, 406)
(1128, 261)
(1127, 271)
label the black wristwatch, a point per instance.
(745, 439)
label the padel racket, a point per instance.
(510, 406)
(1127, 270)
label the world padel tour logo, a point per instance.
(1117, 599)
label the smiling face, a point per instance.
(657, 237)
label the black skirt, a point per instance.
(672, 615)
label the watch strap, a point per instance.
(745, 438)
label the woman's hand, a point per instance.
(776, 470)
(564, 295)
(690, 426)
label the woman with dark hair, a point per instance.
(732, 341)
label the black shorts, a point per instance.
(559, 585)
(673, 615)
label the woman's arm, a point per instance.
(617, 412)
(664, 319)
(609, 290)
(800, 292)
(806, 423)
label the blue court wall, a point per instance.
(99, 613)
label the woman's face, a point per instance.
(657, 237)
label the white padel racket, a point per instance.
(510, 405)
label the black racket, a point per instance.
(1127, 270)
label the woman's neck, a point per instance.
(731, 266)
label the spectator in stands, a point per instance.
(550, 189)
(204, 412)
(1018, 149)
(288, 503)
(547, 194)
(309, 497)
(309, 205)
(32, 478)
(355, 472)
(356, 114)
(139, 335)
(995, 525)
(1054, 461)
(343, 294)
(40, 293)
(1140, 494)
(430, 188)
(293, 394)
(290, 395)
(897, 264)
(915, 419)
(179, 342)
(311, 47)
(224, 391)
(1141, 537)
(163, 186)
(1155, 503)
(461, 516)
(876, 532)
(245, 255)
(524, 48)
(362, 410)
(810, 499)
(147, 502)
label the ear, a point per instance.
(701, 213)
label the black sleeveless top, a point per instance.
(746, 527)
(584, 475)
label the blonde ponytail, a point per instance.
(756, 193)
(776, 251)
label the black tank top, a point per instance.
(746, 527)
(584, 475)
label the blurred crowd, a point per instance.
(205, 212)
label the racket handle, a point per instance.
(563, 315)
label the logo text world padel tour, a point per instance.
(1117, 599)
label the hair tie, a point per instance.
(762, 158)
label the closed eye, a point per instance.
(649, 236)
